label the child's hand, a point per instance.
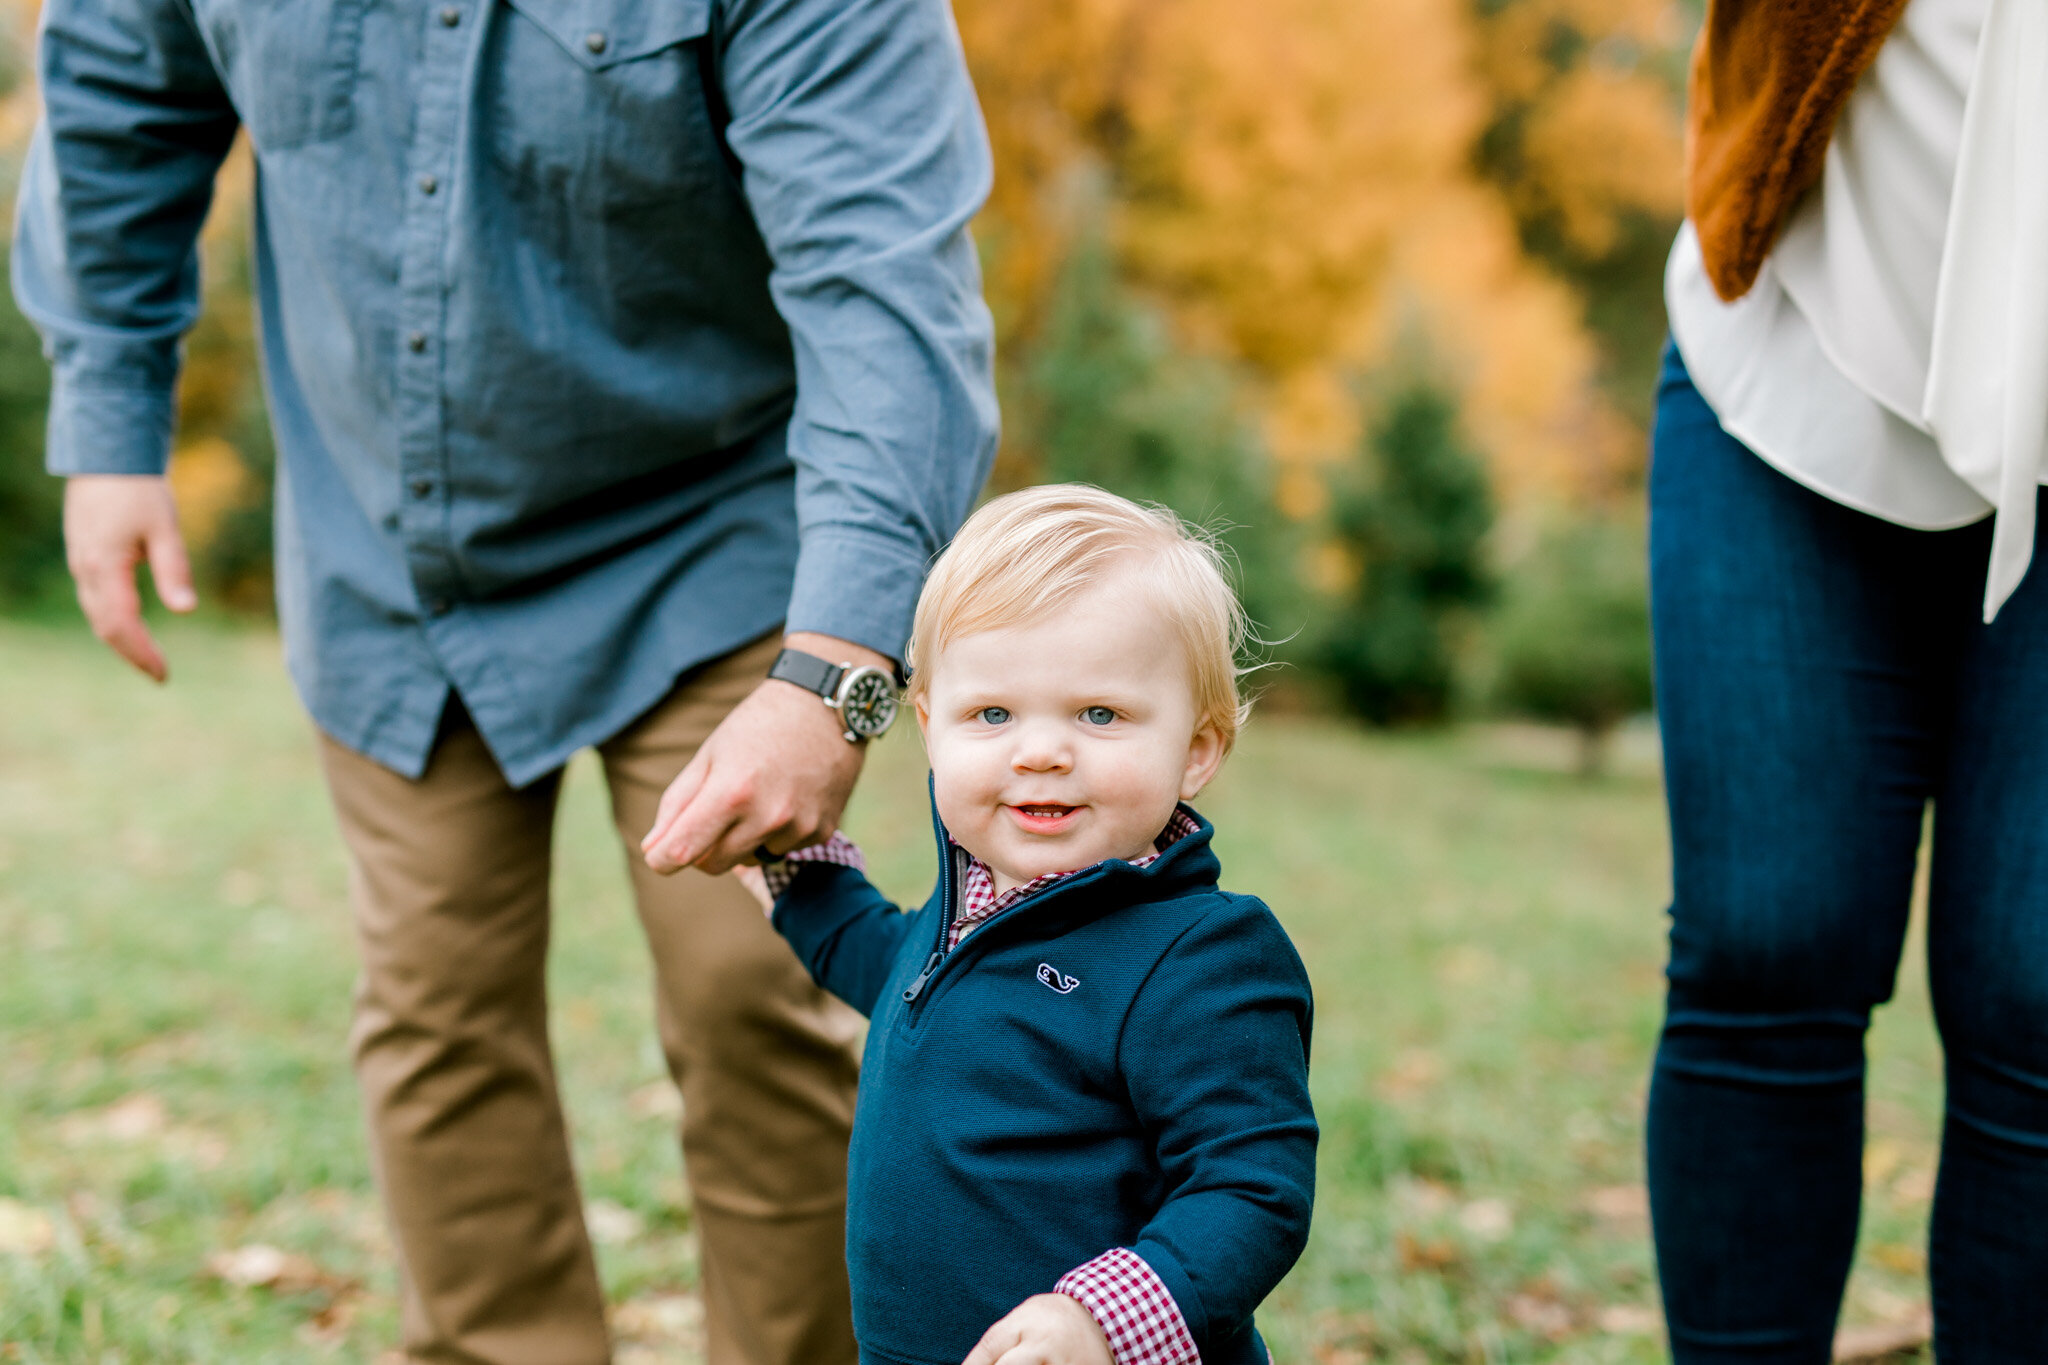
(1045, 1329)
(757, 886)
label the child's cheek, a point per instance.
(954, 797)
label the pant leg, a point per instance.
(449, 879)
(1988, 968)
(1798, 705)
(766, 1063)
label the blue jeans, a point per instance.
(1823, 674)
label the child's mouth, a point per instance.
(1043, 817)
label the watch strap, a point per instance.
(809, 672)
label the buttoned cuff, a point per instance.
(857, 585)
(105, 429)
(1133, 1307)
(838, 849)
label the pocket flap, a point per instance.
(602, 33)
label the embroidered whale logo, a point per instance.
(1051, 976)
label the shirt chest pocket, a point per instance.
(602, 103)
(291, 66)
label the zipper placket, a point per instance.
(1009, 918)
(947, 907)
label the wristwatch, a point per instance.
(865, 697)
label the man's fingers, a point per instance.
(170, 569)
(699, 826)
(755, 828)
(673, 801)
(113, 608)
(111, 523)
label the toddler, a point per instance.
(1084, 1131)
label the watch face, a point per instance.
(869, 703)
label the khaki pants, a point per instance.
(450, 888)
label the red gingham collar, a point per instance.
(979, 902)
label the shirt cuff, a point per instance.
(1134, 1309)
(855, 584)
(837, 849)
(107, 430)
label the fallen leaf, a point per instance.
(1880, 1159)
(129, 1119)
(329, 1325)
(1900, 1257)
(1915, 1185)
(240, 888)
(661, 1319)
(1629, 1320)
(1415, 1070)
(1869, 1345)
(143, 1118)
(1436, 1255)
(1345, 1338)
(24, 1229)
(612, 1224)
(656, 1100)
(258, 1265)
(1489, 1220)
(1468, 965)
(1626, 1207)
(1421, 1196)
(646, 1355)
(1544, 1317)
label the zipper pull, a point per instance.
(916, 987)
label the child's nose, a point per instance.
(1040, 750)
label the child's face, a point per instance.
(1062, 742)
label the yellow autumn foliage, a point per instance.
(208, 481)
(1298, 182)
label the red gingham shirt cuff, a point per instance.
(838, 849)
(1133, 1307)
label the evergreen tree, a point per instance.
(1573, 638)
(1105, 398)
(1413, 520)
(31, 534)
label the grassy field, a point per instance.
(182, 1176)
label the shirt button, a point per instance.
(428, 184)
(422, 487)
(450, 16)
(437, 606)
(596, 42)
(416, 342)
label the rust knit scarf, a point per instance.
(1769, 78)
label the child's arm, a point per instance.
(1215, 1052)
(844, 931)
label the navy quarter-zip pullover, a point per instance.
(1118, 1060)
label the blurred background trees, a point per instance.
(1374, 289)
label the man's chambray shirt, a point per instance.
(571, 391)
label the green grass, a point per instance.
(175, 958)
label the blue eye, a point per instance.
(1098, 715)
(992, 715)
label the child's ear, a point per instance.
(921, 704)
(1205, 756)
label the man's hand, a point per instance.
(112, 522)
(776, 772)
(1045, 1329)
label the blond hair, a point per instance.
(1023, 555)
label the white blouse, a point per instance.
(1882, 358)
